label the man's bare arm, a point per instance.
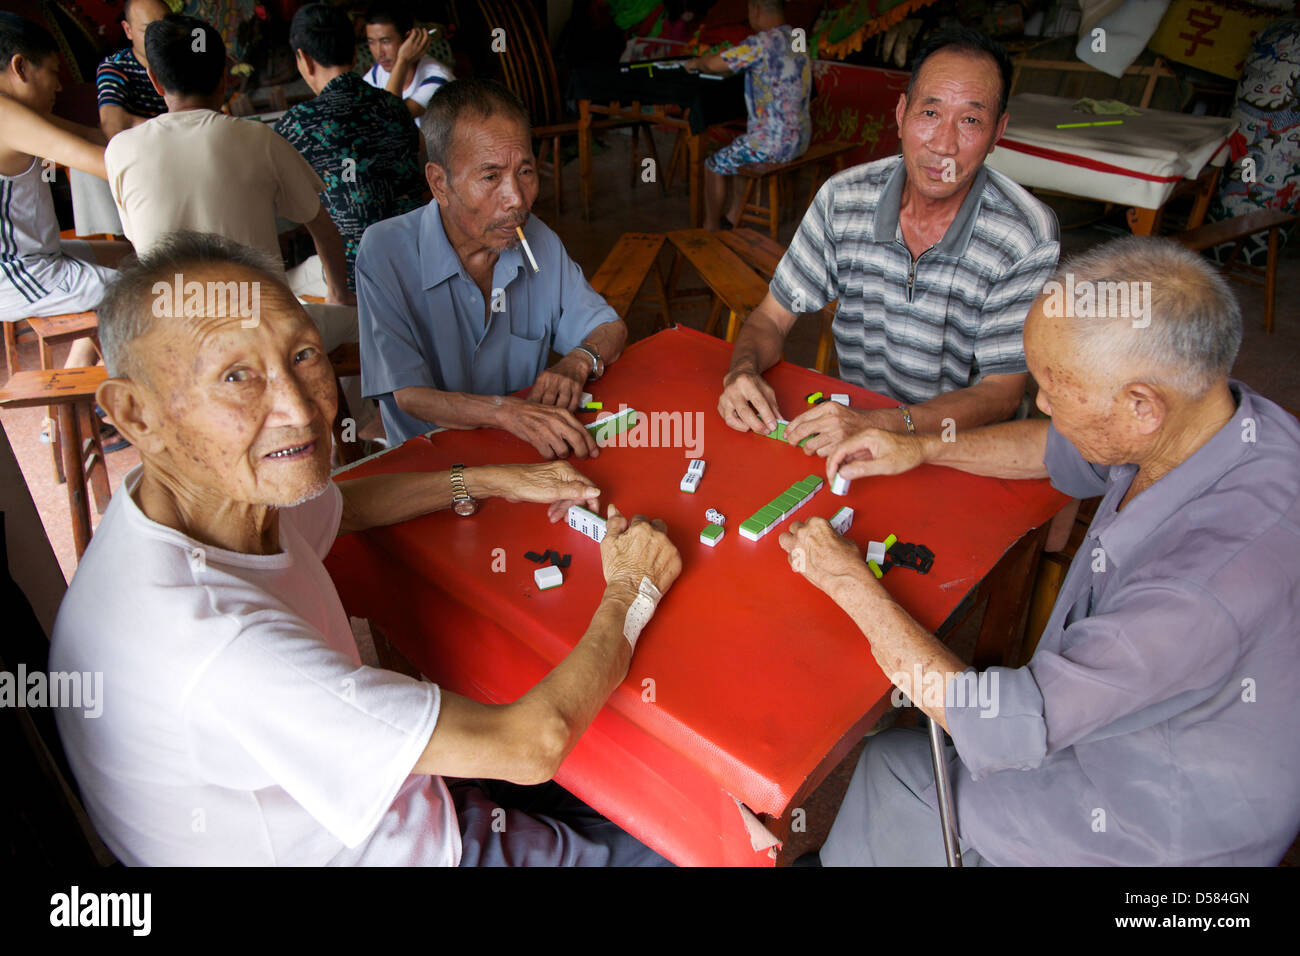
(1006, 450)
(707, 64)
(527, 740)
(747, 402)
(377, 500)
(552, 430)
(115, 119)
(329, 246)
(994, 399)
(24, 131)
(564, 382)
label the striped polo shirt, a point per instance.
(908, 329)
(426, 79)
(122, 81)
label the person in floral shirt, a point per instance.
(778, 85)
(361, 141)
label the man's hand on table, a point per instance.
(828, 424)
(635, 549)
(555, 483)
(562, 384)
(552, 430)
(875, 452)
(829, 561)
(748, 403)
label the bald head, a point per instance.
(186, 274)
(1143, 309)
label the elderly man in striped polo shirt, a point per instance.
(934, 260)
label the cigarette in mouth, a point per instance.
(527, 250)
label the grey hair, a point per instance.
(1184, 331)
(478, 97)
(127, 312)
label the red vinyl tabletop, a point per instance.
(756, 674)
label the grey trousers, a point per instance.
(504, 824)
(884, 821)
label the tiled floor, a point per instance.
(1267, 362)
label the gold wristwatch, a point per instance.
(461, 502)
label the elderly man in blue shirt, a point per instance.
(1155, 723)
(453, 317)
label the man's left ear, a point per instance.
(1147, 407)
(1002, 128)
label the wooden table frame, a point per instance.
(657, 114)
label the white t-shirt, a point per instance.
(238, 725)
(426, 78)
(209, 172)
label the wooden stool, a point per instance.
(763, 255)
(737, 288)
(1237, 230)
(52, 330)
(621, 275)
(346, 360)
(71, 392)
(755, 174)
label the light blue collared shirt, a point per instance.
(421, 316)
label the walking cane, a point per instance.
(944, 792)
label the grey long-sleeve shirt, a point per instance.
(1157, 722)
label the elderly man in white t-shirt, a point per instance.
(239, 725)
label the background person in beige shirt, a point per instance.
(195, 168)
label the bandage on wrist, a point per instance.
(641, 610)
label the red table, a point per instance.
(749, 685)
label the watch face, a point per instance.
(465, 506)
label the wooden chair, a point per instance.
(624, 271)
(52, 330)
(71, 393)
(763, 254)
(817, 157)
(1237, 230)
(529, 71)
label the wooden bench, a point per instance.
(51, 330)
(763, 254)
(1237, 230)
(71, 391)
(817, 156)
(621, 275)
(736, 287)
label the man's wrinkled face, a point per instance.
(143, 13)
(384, 42)
(245, 413)
(492, 183)
(1084, 409)
(950, 122)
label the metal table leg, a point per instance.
(944, 791)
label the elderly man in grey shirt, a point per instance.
(1155, 723)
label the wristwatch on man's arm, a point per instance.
(597, 363)
(461, 501)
